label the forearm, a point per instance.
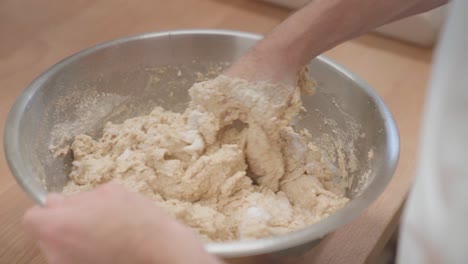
(322, 24)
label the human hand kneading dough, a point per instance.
(112, 225)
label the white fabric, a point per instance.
(434, 225)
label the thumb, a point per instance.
(54, 200)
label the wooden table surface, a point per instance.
(36, 34)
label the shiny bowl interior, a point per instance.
(117, 79)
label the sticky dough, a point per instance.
(230, 166)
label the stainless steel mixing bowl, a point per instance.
(127, 77)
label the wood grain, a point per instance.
(36, 34)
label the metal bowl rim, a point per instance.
(227, 249)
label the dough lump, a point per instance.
(230, 167)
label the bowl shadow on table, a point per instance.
(318, 252)
(384, 251)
